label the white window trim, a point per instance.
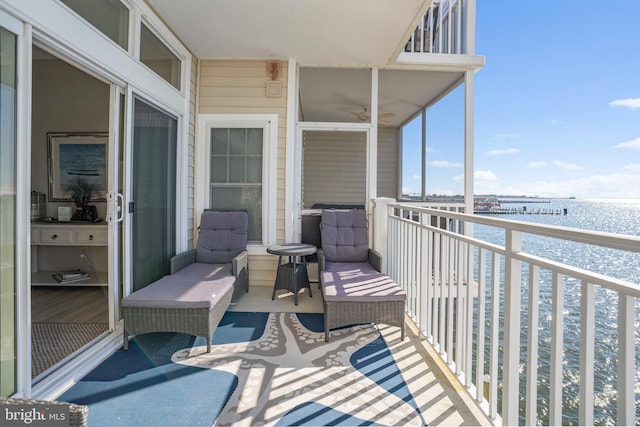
(269, 124)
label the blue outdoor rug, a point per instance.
(265, 369)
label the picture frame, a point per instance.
(77, 154)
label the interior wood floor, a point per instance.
(78, 304)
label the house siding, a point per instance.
(388, 162)
(239, 87)
(191, 170)
(334, 168)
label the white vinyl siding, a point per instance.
(239, 87)
(191, 152)
(387, 162)
(334, 167)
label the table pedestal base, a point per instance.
(292, 281)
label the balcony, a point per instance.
(519, 329)
(443, 29)
(444, 36)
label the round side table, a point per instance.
(292, 275)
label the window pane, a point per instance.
(155, 55)
(219, 169)
(248, 199)
(254, 141)
(219, 139)
(236, 169)
(237, 141)
(109, 16)
(254, 169)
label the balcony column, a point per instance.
(380, 227)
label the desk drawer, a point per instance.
(91, 237)
(54, 236)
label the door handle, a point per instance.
(119, 205)
(116, 211)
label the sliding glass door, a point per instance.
(8, 103)
(153, 196)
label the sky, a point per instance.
(557, 104)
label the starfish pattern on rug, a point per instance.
(289, 366)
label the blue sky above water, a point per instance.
(557, 105)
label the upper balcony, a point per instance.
(444, 35)
(443, 29)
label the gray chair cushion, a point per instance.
(350, 267)
(205, 272)
(350, 287)
(344, 235)
(172, 292)
(222, 236)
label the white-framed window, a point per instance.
(236, 169)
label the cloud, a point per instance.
(555, 122)
(445, 164)
(537, 164)
(416, 177)
(484, 176)
(634, 143)
(503, 151)
(632, 167)
(632, 103)
(567, 166)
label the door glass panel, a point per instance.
(109, 16)
(153, 193)
(8, 100)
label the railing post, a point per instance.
(626, 360)
(380, 227)
(511, 357)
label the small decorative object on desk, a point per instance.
(64, 213)
(81, 191)
(70, 276)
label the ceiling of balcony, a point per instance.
(332, 34)
(319, 32)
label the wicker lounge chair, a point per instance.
(354, 289)
(194, 297)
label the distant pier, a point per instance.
(521, 211)
(491, 205)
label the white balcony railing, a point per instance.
(443, 29)
(519, 329)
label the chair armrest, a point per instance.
(180, 261)
(239, 263)
(321, 264)
(375, 259)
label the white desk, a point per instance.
(51, 236)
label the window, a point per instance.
(109, 16)
(239, 168)
(157, 56)
(236, 174)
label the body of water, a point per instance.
(612, 216)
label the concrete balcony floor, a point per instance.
(440, 396)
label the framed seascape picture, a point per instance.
(77, 156)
